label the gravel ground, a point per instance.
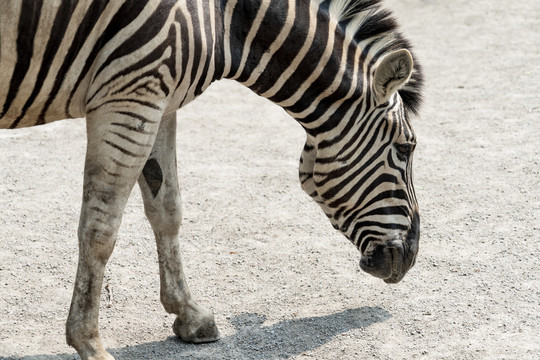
(258, 251)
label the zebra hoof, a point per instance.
(196, 331)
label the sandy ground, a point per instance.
(282, 282)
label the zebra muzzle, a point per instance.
(385, 262)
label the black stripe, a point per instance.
(242, 20)
(384, 178)
(271, 24)
(362, 245)
(112, 174)
(148, 31)
(334, 190)
(378, 23)
(136, 116)
(340, 94)
(122, 150)
(184, 40)
(209, 46)
(146, 86)
(131, 128)
(309, 63)
(324, 81)
(60, 24)
(122, 165)
(366, 148)
(368, 235)
(390, 194)
(154, 74)
(288, 50)
(89, 21)
(196, 52)
(335, 119)
(134, 43)
(389, 226)
(357, 142)
(153, 56)
(136, 101)
(387, 210)
(128, 139)
(26, 32)
(96, 209)
(392, 164)
(123, 17)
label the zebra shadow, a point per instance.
(252, 339)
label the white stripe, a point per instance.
(227, 19)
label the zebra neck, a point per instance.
(292, 53)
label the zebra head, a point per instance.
(359, 170)
(344, 72)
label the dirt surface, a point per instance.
(259, 252)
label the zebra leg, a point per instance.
(118, 145)
(161, 195)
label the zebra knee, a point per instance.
(97, 239)
(161, 199)
(165, 213)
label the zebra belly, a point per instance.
(20, 114)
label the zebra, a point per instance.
(341, 68)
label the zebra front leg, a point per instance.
(118, 146)
(161, 195)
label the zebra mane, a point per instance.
(366, 19)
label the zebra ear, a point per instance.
(393, 71)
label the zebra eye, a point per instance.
(405, 149)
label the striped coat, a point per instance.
(339, 67)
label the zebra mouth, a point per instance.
(397, 266)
